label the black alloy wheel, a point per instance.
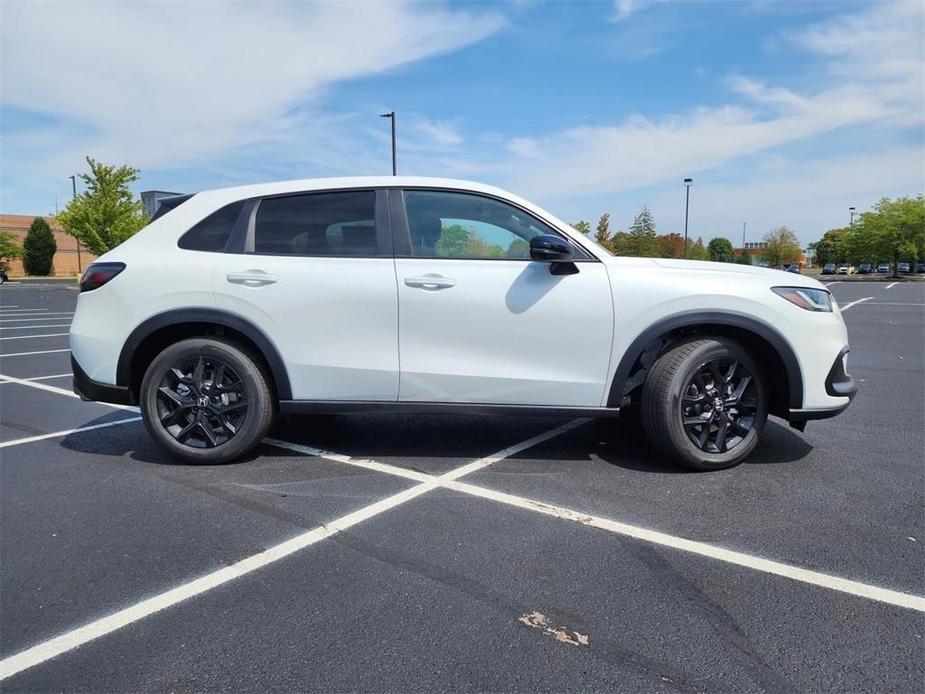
(201, 402)
(718, 405)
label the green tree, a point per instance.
(720, 250)
(745, 258)
(828, 248)
(697, 251)
(582, 226)
(894, 229)
(620, 243)
(643, 240)
(602, 235)
(9, 249)
(105, 214)
(39, 248)
(783, 247)
(453, 242)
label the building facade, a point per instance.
(69, 261)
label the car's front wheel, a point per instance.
(205, 400)
(704, 403)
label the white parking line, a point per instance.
(117, 620)
(36, 317)
(32, 337)
(891, 285)
(26, 354)
(66, 432)
(796, 573)
(33, 327)
(60, 391)
(37, 378)
(843, 308)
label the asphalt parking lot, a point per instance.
(461, 553)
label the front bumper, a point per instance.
(88, 389)
(839, 384)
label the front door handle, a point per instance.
(251, 278)
(430, 282)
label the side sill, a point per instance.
(88, 389)
(391, 407)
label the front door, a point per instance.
(479, 322)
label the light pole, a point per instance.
(687, 202)
(851, 212)
(743, 234)
(76, 240)
(391, 114)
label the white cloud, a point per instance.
(881, 73)
(164, 84)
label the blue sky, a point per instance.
(782, 112)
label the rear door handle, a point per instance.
(251, 278)
(430, 282)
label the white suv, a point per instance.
(424, 295)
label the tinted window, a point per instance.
(317, 224)
(460, 225)
(211, 234)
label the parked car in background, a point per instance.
(793, 267)
(920, 267)
(421, 295)
(845, 269)
(3, 277)
(865, 269)
(904, 267)
(883, 267)
(828, 269)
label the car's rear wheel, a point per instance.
(206, 401)
(704, 403)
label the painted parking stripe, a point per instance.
(35, 318)
(77, 637)
(39, 378)
(891, 285)
(33, 327)
(33, 337)
(66, 432)
(750, 561)
(843, 308)
(26, 354)
(60, 391)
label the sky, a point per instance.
(783, 112)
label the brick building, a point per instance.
(65, 262)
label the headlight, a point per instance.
(810, 299)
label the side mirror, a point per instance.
(555, 251)
(551, 249)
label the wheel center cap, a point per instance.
(718, 405)
(202, 401)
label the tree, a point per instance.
(720, 250)
(9, 249)
(828, 248)
(783, 247)
(620, 243)
(697, 251)
(582, 226)
(745, 258)
(671, 245)
(894, 229)
(602, 235)
(105, 214)
(39, 248)
(643, 241)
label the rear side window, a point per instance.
(212, 233)
(339, 224)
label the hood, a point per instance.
(774, 277)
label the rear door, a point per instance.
(482, 323)
(317, 276)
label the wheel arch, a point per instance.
(768, 345)
(156, 332)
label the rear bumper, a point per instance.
(88, 389)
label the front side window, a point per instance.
(338, 224)
(462, 225)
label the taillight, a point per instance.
(99, 274)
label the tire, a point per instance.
(206, 401)
(683, 413)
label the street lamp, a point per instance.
(743, 234)
(688, 182)
(76, 240)
(851, 212)
(391, 114)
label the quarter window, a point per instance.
(460, 225)
(339, 224)
(212, 233)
